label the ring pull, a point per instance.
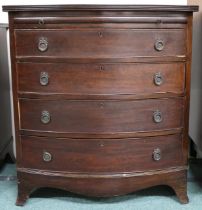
(47, 157)
(159, 45)
(44, 78)
(158, 79)
(43, 44)
(156, 154)
(45, 117)
(157, 116)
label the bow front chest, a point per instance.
(101, 97)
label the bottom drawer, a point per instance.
(101, 155)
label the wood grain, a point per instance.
(104, 43)
(101, 117)
(90, 80)
(102, 187)
(102, 155)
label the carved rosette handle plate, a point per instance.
(159, 45)
(157, 116)
(45, 117)
(156, 154)
(42, 44)
(44, 78)
(47, 157)
(158, 79)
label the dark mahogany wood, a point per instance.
(103, 8)
(101, 96)
(73, 80)
(100, 43)
(98, 116)
(102, 155)
(98, 187)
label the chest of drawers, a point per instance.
(101, 97)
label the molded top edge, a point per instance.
(91, 7)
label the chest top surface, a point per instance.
(162, 8)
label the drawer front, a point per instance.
(94, 43)
(102, 155)
(94, 117)
(101, 79)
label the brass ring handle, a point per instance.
(156, 154)
(157, 116)
(44, 78)
(43, 44)
(47, 157)
(158, 79)
(159, 45)
(45, 117)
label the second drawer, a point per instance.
(101, 117)
(101, 79)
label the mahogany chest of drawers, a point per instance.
(101, 97)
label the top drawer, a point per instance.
(103, 43)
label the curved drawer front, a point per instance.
(95, 43)
(102, 155)
(101, 117)
(101, 79)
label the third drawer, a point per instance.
(101, 116)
